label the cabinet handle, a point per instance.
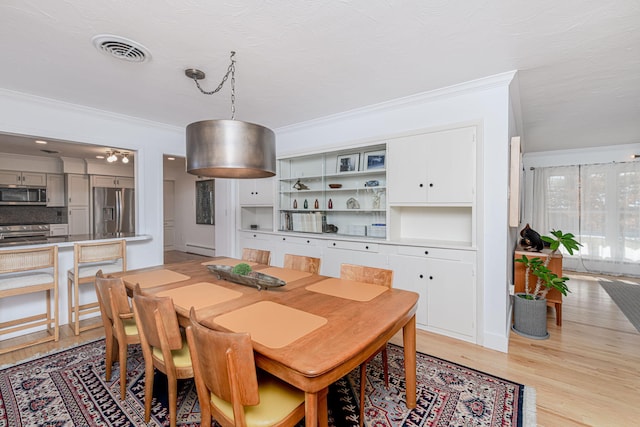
(430, 277)
(284, 238)
(421, 276)
(334, 244)
(366, 247)
(431, 184)
(307, 241)
(426, 252)
(421, 185)
(255, 235)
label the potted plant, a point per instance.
(530, 306)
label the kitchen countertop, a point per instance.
(65, 241)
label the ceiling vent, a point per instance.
(121, 48)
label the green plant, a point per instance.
(547, 279)
(241, 269)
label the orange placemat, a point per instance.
(349, 289)
(229, 261)
(286, 274)
(149, 279)
(200, 295)
(271, 324)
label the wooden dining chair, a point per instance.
(375, 276)
(30, 272)
(302, 263)
(109, 256)
(256, 255)
(120, 328)
(163, 347)
(229, 387)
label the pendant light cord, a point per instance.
(231, 70)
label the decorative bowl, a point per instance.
(253, 279)
(335, 185)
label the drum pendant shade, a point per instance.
(230, 149)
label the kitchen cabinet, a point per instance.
(58, 229)
(55, 190)
(77, 190)
(78, 217)
(35, 179)
(112, 181)
(445, 281)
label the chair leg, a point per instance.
(385, 366)
(558, 314)
(148, 390)
(363, 386)
(122, 355)
(108, 357)
(173, 401)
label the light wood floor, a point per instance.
(586, 374)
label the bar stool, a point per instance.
(108, 256)
(28, 271)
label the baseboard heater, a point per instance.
(201, 250)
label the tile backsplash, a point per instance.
(32, 215)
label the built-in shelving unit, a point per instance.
(340, 192)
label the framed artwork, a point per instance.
(348, 163)
(205, 202)
(374, 160)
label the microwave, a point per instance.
(23, 196)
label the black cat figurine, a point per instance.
(531, 240)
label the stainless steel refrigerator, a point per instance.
(113, 210)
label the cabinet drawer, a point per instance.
(298, 240)
(428, 252)
(354, 246)
(254, 236)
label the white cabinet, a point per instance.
(77, 190)
(256, 192)
(445, 280)
(295, 245)
(337, 252)
(112, 181)
(78, 217)
(436, 167)
(247, 239)
(35, 179)
(55, 190)
(58, 229)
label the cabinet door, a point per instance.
(124, 182)
(77, 190)
(34, 178)
(58, 229)
(360, 253)
(10, 178)
(410, 274)
(407, 169)
(78, 217)
(254, 241)
(256, 192)
(451, 166)
(103, 181)
(294, 245)
(451, 298)
(55, 190)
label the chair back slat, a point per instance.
(256, 255)
(302, 263)
(112, 296)
(147, 306)
(13, 261)
(361, 273)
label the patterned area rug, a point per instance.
(68, 389)
(627, 298)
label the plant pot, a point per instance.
(530, 317)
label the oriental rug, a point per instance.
(68, 388)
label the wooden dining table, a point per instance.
(310, 332)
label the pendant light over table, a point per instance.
(229, 148)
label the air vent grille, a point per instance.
(121, 48)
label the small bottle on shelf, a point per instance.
(330, 204)
(316, 205)
(306, 204)
(295, 204)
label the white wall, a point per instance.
(484, 102)
(29, 115)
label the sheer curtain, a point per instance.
(600, 204)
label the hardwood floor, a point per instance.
(585, 374)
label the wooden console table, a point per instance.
(554, 297)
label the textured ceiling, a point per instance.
(578, 61)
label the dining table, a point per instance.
(310, 332)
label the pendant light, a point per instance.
(229, 148)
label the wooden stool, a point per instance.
(27, 271)
(88, 258)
